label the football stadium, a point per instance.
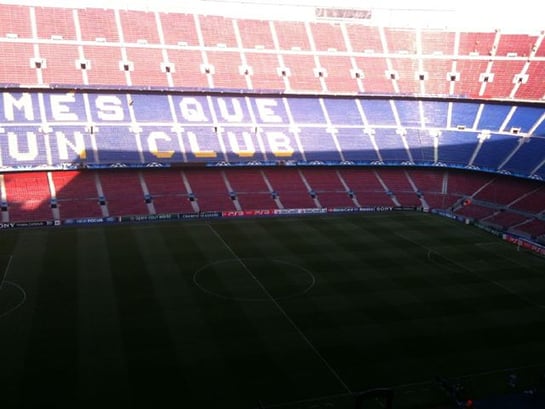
(268, 205)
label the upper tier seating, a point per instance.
(101, 47)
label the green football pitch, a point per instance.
(292, 312)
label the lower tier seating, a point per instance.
(499, 200)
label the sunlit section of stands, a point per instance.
(327, 37)
(436, 115)
(225, 68)
(463, 115)
(250, 188)
(76, 194)
(122, 191)
(406, 114)
(189, 69)
(374, 73)
(62, 64)
(167, 191)
(266, 73)
(138, 27)
(98, 25)
(302, 73)
(316, 57)
(437, 42)
(492, 116)
(511, 44)
(400, 40)
(292, 36)
(539, 49)
(527, 119)
(379, 112)
(15, 21)
(532, 86)
(217, 31)
(17, 58)
(405, 73)
(255, 34)
(501, 84)
(105, 67)
(25, 147)
(146, 67)
(208, 144)
(18, 63)
(54, 23)
(472, 75)
(476, 43)
(363, 38)
(179, 29)
(437, 76)
(338, 74)
(426, 62)
(343, 111)
(28, 196)
(209, 189)
(306, 111)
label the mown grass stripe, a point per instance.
(51, 356)
(148, 350)
(100, 344)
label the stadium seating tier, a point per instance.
(235, 99)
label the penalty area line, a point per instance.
(282, 311)
(4, 273)
(476, 274)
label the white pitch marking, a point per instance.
(5, 272)
(282, 311)
(496, 283)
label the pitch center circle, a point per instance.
(12, 296)
(254, 279)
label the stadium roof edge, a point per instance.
(484, 15)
